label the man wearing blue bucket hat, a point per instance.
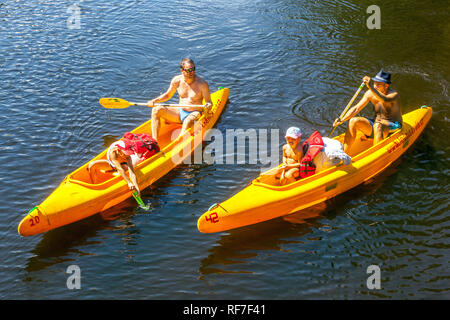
(388, 114)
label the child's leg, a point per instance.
(292, 175)
(283, 179)
(278, 172)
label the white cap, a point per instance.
(294, 132)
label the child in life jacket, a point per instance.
(289, 171)
(125, 154)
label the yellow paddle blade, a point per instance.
(114, 103)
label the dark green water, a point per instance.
(286, 63)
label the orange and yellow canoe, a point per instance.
(265, 199)
(78, 197)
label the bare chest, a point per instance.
(292, 156)
(190, 91)
(382, 107)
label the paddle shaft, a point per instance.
(117, 103)
(143, 104)
(348, 106)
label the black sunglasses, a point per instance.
(188, 70)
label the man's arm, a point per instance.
(359, 106)
(206, 95)
(167, 95)
(354, 110)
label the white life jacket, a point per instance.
(332, 154)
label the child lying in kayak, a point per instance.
(125, 154)
(289, 171)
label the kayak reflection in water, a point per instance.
(191, 89)
(388, 115)
(289, 171)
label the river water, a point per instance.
(286, 63)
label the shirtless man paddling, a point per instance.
(191, 89)
(388, 113)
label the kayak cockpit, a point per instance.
(270, 179)
(103, 176)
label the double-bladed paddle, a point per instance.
(117, 103)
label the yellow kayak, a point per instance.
(265, 199)
(77, 197)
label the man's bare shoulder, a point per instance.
(201, 81)
(369, 94)
(392, 92)
(176, 80)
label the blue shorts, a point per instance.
(184, 114)
(392, 126)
